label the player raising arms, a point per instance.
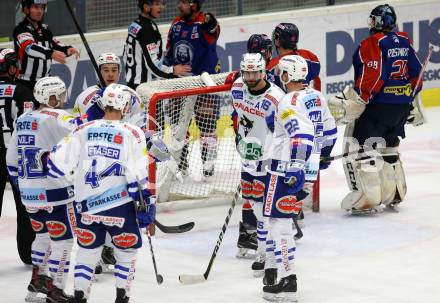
(48, 200)
(386, 69)
(283, 195)
(285, 38)
(109, 160)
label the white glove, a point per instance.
(346, 106)
(416, 116)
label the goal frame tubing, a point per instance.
(157, 97)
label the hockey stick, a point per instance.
(86, 44)
(174, 229)
(346, 154)
(419, 78)
(192, 279)
(143, 207)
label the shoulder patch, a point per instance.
(7, 90)
(134, 29)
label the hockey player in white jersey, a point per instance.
(255, 102)
(293, 140)
(109, 160)
(47, 200)
(109, 66)
(313, 104)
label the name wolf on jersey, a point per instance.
(26, 140)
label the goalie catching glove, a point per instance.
(157, 148)
(347, 106)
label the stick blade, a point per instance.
(191, 279)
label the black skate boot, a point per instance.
(120, 296)
(258, 266)
(38, 285)
(108, 255)
(79, 297)
(270, 276)
(247, 240)
(284, 291)
(57, 295)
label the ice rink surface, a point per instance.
(391, 257)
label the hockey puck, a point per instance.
(159, 279)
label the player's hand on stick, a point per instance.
(147, 216)
(294, 177)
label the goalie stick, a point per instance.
(193, 279)
(174, 229)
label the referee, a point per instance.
(143, 48)
(35, 45)
(14, 99)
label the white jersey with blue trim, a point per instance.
(39, 130)
(256, 119)
(109, 161)
(313, 104)
(86, 99)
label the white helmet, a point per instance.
(47, 87)
(295, 67)
(252, 63)
(108, 58)
(116, 96)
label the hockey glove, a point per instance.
(157, 148)
(325, 153)
(294, 176)
(416, 116)
(210, 24)
(147, 216)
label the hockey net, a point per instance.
(193, 116)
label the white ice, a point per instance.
(390, 257)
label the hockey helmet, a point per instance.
(260, 43)
(295, 67)
(108, 58)
(252, 63)
(148, 2)
(47, 87)
(382, 17)
(27, 3)
(115, 96)
(8, 58)
(285, 35)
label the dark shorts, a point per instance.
(120, 222)
(252, 187)
(386, 121)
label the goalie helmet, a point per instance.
(295, 67)
(115, 96)
(260, 43)
(382, 17)
(285, 35)
(108, 58)
(252, 63)
(47, 87)
(8, 58)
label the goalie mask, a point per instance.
(48, 87)
(252, 69)
(294, 66)
(382, 17)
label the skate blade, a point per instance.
(366, 212)
(289, 297)
(244, 253)
(258, 273)
(34, 298)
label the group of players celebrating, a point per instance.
(85, 174)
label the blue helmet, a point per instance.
(382, 17)
(285, 35)
(260, 43)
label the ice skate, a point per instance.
(258, 266)
(284, 291)
(121, 296)
(270, 276)
(37, 288)
(247, 243)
